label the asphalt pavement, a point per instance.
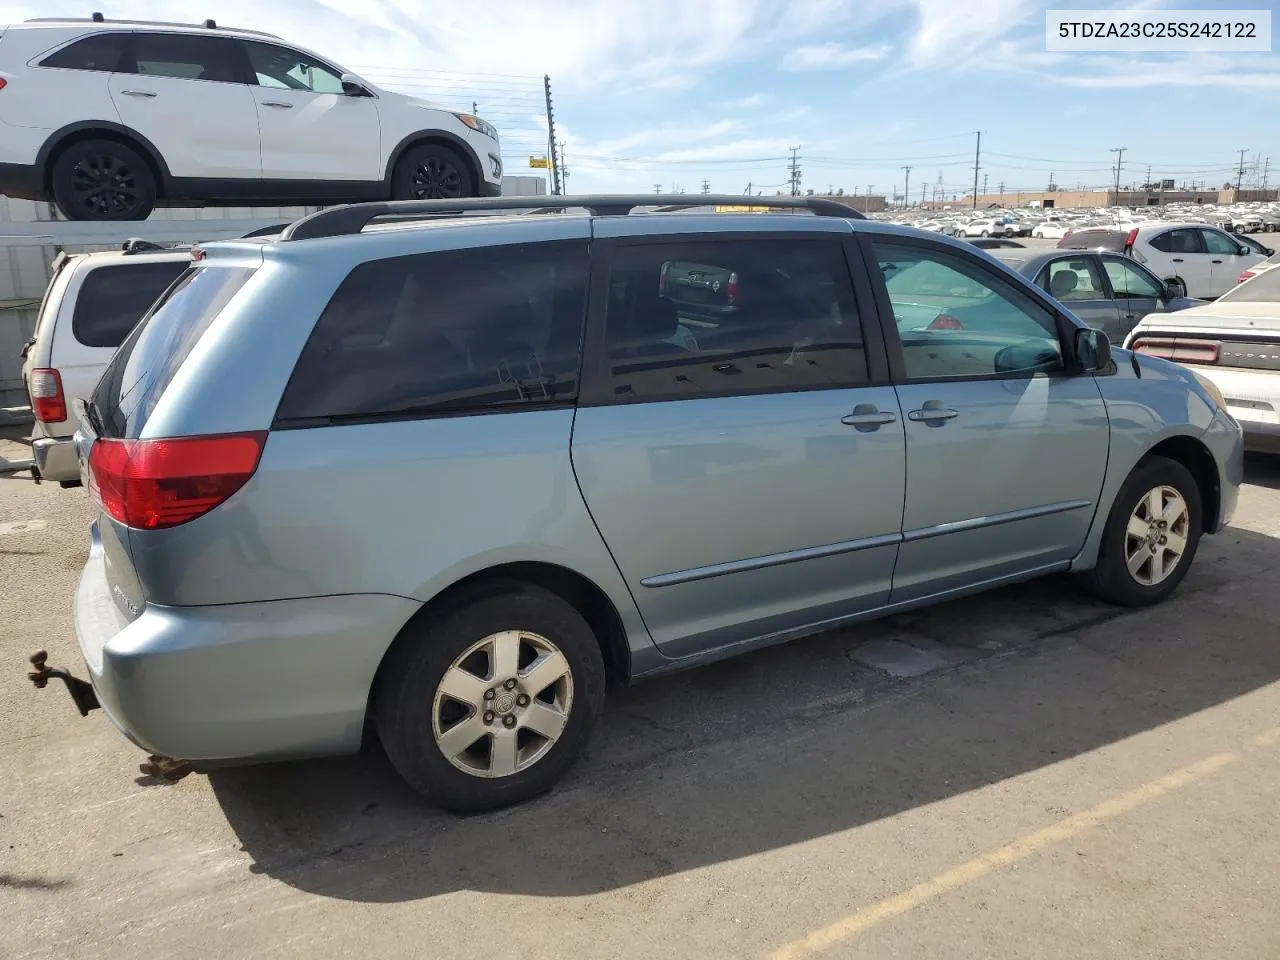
(1023, 774)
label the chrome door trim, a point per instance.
(975, 523)
(769, 560)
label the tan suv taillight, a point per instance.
(48, 403)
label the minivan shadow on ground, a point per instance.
(788, 744)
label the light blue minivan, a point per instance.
(449, 477)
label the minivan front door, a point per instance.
(1005, 450)
(742, 469)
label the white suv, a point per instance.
(109, 118)
(1209, 261)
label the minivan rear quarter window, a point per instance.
(462, 331)
(147, 361)
(112, 299)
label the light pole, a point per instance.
(1119, 151)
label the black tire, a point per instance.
(404, 693)
(103, 180)
(984, 234)
(1239, 228)
(1110, 579)
(431, 172)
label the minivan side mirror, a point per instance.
(1174, 288)
(353, 86)
(1093, 351)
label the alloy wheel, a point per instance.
(436, 179)
(1156, 535)
(105, 186)
(503, 704)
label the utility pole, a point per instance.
(1266, 167)
(551, 138)
(657, 188)
(793, 170)
(977, 155)
(475, 109)
(1001, 188)
(1148, 183)
(923, 188)
(906, 188)
(984, 184)
(1119, 151)
(1240, 174)
(564, 167)
(706, 187)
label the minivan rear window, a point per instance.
(151, 356)
(460, 331)
(112, 299)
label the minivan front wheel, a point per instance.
(492, 703)
(103, 180)
(1151, 536)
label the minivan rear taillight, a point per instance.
(152, 484)
(3, 83)
(48, 403)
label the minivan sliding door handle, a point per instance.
(867, 417)
(931, 411)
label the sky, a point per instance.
(678, 92)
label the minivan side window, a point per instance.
(959, 319)
(717, 318)
(100, 52)
(459, 331)
(112, 299)
(183, 57)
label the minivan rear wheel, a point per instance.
(493, 702)
(1151, 535)
(103, 180)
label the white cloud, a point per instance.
(832, 56)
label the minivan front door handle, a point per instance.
(278, 104)
(867, 417)
(932, 412)
(138, 93)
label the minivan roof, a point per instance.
(166, 26)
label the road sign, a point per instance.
(539, 163)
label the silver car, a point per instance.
(457, 476)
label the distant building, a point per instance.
(1156, 197)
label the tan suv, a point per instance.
(91, 304)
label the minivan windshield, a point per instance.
(147, 361)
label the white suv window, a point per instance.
(183, 57)
(286, 69)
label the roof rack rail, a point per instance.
(99, 18)
(354, 217)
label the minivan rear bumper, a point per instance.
(251, 681)
(56, 458)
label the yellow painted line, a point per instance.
(1011, 853)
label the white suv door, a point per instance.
(1179, 252)
(1226, 261)
(188, 95)
(311, 130)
